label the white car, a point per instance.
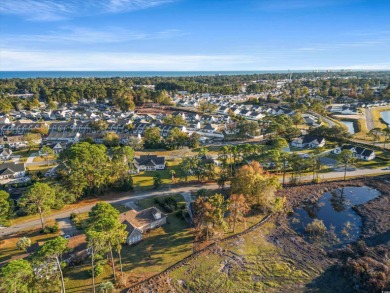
(66, 236)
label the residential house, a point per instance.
(308, 141)
(360, 153)
(5, 154)
(12, 170)
(56, 147)
(149, 163)
(138, 223)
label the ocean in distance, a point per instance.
(106, 74)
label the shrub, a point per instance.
(98, 270)
(317, 227)
(202, 192)
(170, 204)
(51, 229)
(73, 215)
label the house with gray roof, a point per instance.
(149, 163)
(12, 170)
(138, 223)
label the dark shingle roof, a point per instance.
(11, 168)
(150, 160)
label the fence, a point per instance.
(138, 286)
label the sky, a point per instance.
(194, 35)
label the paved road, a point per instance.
(64, 216)
(326, 120)
(369, 119)
(357, 172)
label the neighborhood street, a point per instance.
(326, 120)
(66, 227)
(369, 119)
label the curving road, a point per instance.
(62, 217)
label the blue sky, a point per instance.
(194, 34)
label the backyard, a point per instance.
(169, 244)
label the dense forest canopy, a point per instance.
(70, 90)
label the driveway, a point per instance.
(369, 119)
(31, 158)
(188, 198)
(66, 226)
(134, 196)
(328, 161)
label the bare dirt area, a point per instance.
(153, 110)
(274, 258)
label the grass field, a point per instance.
(376, 116)
(247, 264)
(144, 180)
(8, 249)
(170, 243)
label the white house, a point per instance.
(358, 152)
(5, 154)
(12, 170)
(308, 141)
(149, 163)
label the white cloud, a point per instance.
(85, 35)
(129, 5)
(24, 59)
(13, 59)
(51, 10)
(45, 10)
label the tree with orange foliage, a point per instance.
(256, 185)
(209, 214)
(238, 207)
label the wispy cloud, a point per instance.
(27, 59)
(344, 45)
(51, 10)
(129, 5)
(83, 35)
(45, 10)
(17, 59)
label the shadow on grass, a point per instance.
(330, 281)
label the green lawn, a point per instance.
(170, 243)
(25, 153)
(8, 249)
(144, 180)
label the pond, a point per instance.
(334, 209)
(349, 124)
(386, 116)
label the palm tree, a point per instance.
(346, 157)
(386, 133)
(316, 161)
(375, 133)
(106, 287)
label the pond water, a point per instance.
(335, 210)
(386, 116)
(349, 124)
